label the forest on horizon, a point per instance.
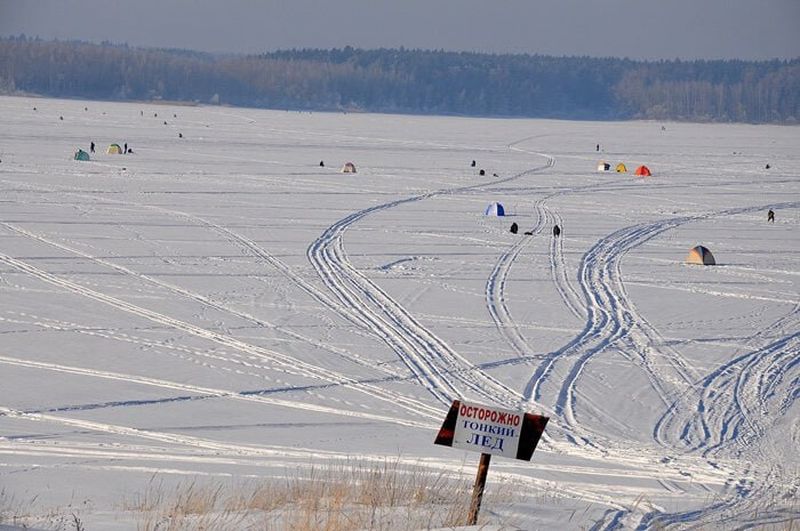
(411, 82)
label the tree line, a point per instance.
(411, 81)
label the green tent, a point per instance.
(81, 155)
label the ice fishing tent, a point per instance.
(81, 155)
(603, 166)
(701, 256)
(642, 171)
(114, 149)
(621, 168)
(495, 209)
(349, 167)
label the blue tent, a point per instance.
(495, 209)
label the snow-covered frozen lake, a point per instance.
(220, 305)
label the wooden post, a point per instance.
(477, 490)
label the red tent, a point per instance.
(643, 171)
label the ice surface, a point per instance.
(219, 305)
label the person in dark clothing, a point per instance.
(180, 135)
(473, 163)
(482, 172)
(125, 149)
(767, 166)
(514, 228)
(771, 216)
(556, 231)
(322, 164)
(597, 148)
(91, 147)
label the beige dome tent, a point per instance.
(701, 256)
(114, 149)
(603, 166)
(349, 167)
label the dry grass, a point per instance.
(20, 515)
(348, 496)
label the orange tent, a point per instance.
(700, 255)
(643, 171)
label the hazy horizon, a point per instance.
(640, 30)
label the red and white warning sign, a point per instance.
(491, 430)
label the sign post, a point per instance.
(477, 489)
(490, 431)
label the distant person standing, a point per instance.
(125, 149)
(91, 147)
(597, 147)
(771, 216)
(556, 231)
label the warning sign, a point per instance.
(491, 430)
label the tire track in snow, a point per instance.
(212, 392)
(496, 284)
(612, 317)
(304, 368)
(731, 401)
(558, 270)
(405, 401)
(432, 361)
(205, 301)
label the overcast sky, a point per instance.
(641, 29)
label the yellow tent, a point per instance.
(701, 256)
(114, 149)
(621, 168)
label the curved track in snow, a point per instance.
(759, 380)
(613, 318)
(435, 364)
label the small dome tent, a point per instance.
(114, 149)
(495, 209)
(603, 166)
(81, 155)
(349, 167)
(643, 171)
(621, 168)
(701, 256)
